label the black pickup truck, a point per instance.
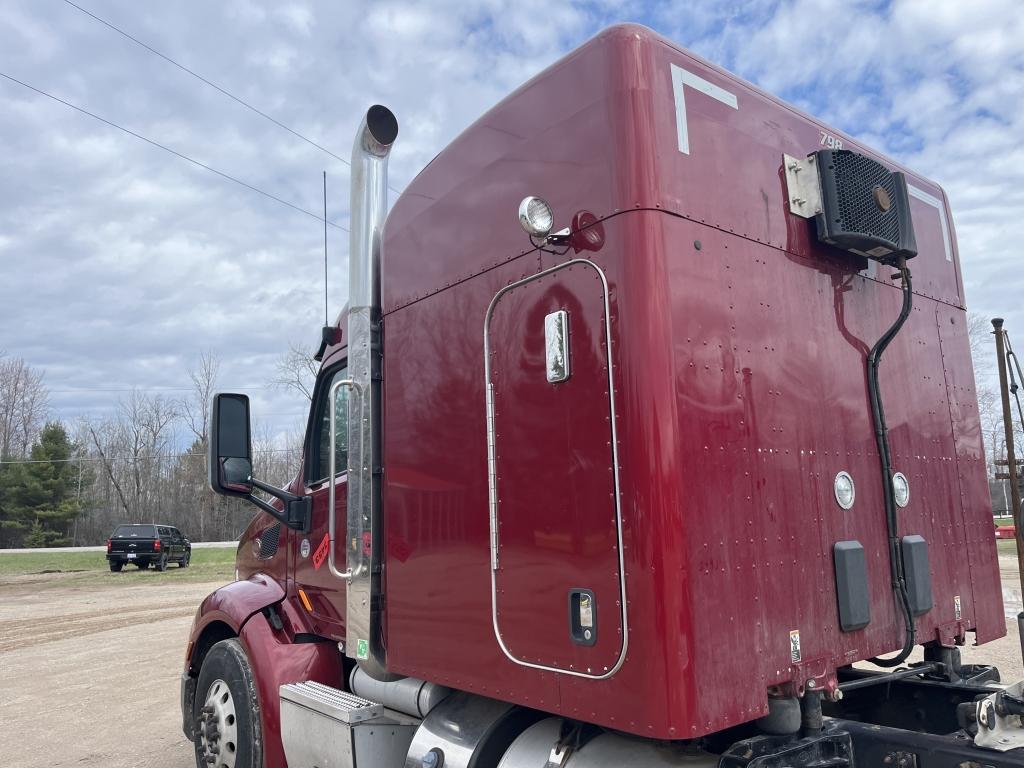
(142, 545)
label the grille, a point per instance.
(856, 177)
(268, 541)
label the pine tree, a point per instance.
(39, 499)
(12, 526)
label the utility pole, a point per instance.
(1011, 462)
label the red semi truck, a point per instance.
(640, 485)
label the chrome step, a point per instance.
(329, 701)
(323, 727)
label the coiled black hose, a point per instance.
(899, 583)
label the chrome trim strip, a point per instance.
(492, 482)
(492, 472)
(332, 394)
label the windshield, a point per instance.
(135, 532)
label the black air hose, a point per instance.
(899, 583)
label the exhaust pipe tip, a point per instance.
(381, 130)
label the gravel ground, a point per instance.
(102, 548)
(80, 688)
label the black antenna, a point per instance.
(326, 321)
(329, 335)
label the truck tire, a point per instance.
(226, 710)
(116, 567)
(161, 564)
(183, 563)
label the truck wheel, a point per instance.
(161, 564)
(184, 560)
(116, 567)
(226, 710)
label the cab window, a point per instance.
(321, 442)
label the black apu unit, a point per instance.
(865, 207)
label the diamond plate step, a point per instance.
(329, 701)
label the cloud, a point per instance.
(120, 262)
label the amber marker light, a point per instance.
(305, 600)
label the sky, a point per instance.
(120, 263)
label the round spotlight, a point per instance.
(535, 216)
(844, 490)
(901, 489)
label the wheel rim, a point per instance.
(218, 727)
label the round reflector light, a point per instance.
(901, 489)
(844, 490)
(535, 216)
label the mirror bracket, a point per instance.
(298, 510)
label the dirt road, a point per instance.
(79, 688)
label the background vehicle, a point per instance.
(145, 545)
(633, 488)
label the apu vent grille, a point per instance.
(268, 541)
(856, 179)
(865, 207)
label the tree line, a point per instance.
(71, 483)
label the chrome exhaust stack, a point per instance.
(363, 544)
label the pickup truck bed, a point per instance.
(145, 545)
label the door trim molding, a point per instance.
(492, 479)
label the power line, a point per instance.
(87, 459)
(153, 389)
(174, 152)
(213, 85)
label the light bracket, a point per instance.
(803, 187)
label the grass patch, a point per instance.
(1003, 520)
(213, 564)
(1006, 546)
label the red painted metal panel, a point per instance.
(738, 370)
(436, 502)
(276, 661)
(556, 508)
(975, 506)
(326, 592)
(234, 603)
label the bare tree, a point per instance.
(296, 369)
(132, 447)
(196, 408)
(979, 333)
(101, 436)
(24, 406)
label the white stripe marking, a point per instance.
(933, 201)
(682, 77)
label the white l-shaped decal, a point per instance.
(940, 208)
(682, 77)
